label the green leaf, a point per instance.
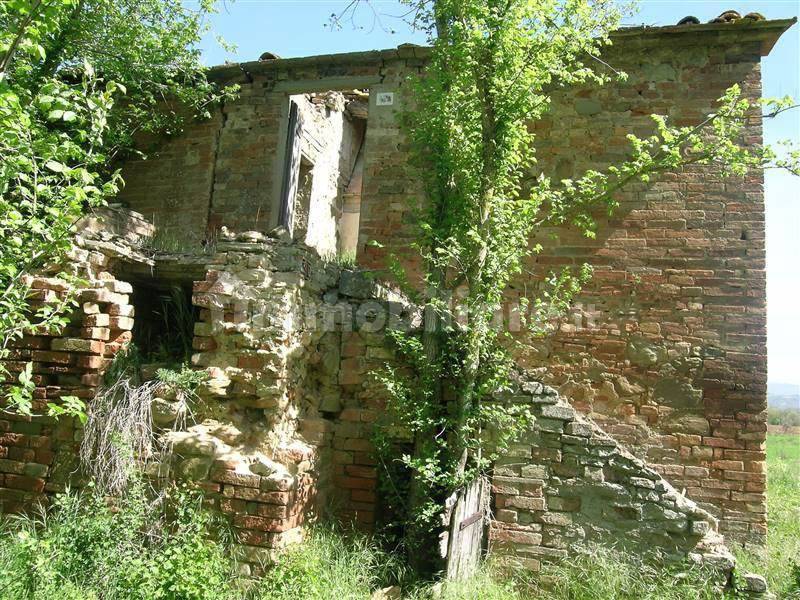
(56, 166)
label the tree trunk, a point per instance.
(419, 543)
(5, 61)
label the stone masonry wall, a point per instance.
(283, 429)
(262, 350)
(667, 346)
(666, 351)
(567, 483)
(254, 442)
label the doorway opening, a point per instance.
(323, 170)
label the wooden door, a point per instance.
(467, 529)
(291, 168)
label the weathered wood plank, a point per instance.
(467, 527)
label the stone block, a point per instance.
(560, 412)
(194, 468)
(78, 345)
(526, 503)
(579, 429)
(754, 583)
(356, 284)
(96, 320)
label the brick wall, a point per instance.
(666, 352)
(667, 349)
(38, 454)
(667, 346)
(172, 188)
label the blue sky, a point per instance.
(298, 28)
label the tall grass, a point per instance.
(141, 549)
(597, 574)
(605, 574)
(136, 549)
(493, 581)
(328, 565)
(780, 561)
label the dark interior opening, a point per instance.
(164, 325)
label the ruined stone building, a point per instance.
(650, 398)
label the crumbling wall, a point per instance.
(258, 340)
(566, 483)
(252, 442)
(283, 430)
(367, 312)
(38, 455)
(666, 353)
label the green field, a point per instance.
(782, 557)
(783, 448)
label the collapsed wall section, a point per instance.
(252, 441)
(258, 340)
(284, 429)
(566, 484)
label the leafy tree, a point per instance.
(78, 80)
(785, 417)
(493, 66)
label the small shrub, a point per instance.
(328, 566)
(126, 364)
(185, 379)
(135, 549)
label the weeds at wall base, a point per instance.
(85, 549)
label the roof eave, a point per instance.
(742, 30)
(767, 32)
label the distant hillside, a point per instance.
(783, 395)
(783, 389)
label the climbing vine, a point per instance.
(492, 69)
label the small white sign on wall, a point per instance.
(385, 99)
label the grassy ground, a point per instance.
(781, 561)
(84, 551)
(600, 574)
